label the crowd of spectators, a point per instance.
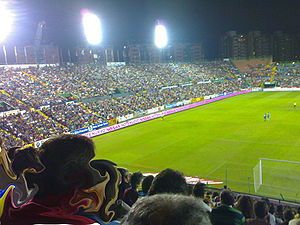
(71, 97)
(59, 183)
(284, 75)
(74, 96)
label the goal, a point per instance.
(279, 178)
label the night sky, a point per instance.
(122, 20)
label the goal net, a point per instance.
(277, 178)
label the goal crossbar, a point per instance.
(277, 160)
(258, 170)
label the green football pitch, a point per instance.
(230, 134)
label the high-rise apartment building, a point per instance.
(233, 45)
(283, 46)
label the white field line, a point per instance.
(214, 170)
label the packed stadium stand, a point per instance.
(38, 103)
(54, 100)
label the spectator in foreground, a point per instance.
(271, 218)
(68, 183)
(131, 194)
(168, 181)
(199, 192)
(245, 205)
(125, 178)
(167, 209)
(225, 214)
(146, 184)
(261, 212)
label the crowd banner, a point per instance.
(26, 66)
(160, 108)
(153, 110)
(80, 131)
(169, 87)
(186, 84)
(204, 82)
(180, 103)
(171, 106)
(99, 125)
(115, 64)
(90, 128)
(193, 100)
(121, 118)
(139, 114)
(157, 115)
(11, 112)
(197, 99)
(112, 121)
(282, 89)
(124, 118)
(186, 102)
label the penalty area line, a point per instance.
(214, 170)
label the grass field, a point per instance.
(206, 140)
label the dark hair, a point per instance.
(199, 190)
(167, 209)
(124, 182)
(124, 173)
(146, 184)
(260, 209)
(168, 181)
(279, 211)
(245, 205)
(136, 179)
(66, 159)
(227, 198)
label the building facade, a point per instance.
(233, 45)
(255, 44)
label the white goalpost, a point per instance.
(277, 176)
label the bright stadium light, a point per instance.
(92, 28)
(6, 21)
(161, 37)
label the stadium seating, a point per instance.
(53, 100)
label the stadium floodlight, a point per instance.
(92, 27)
(6, 21)
(161, 37)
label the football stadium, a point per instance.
(148, 133)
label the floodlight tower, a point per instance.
(6, 24)
(6, 21)
(38, 40)
(160, 37)
(92, 27)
